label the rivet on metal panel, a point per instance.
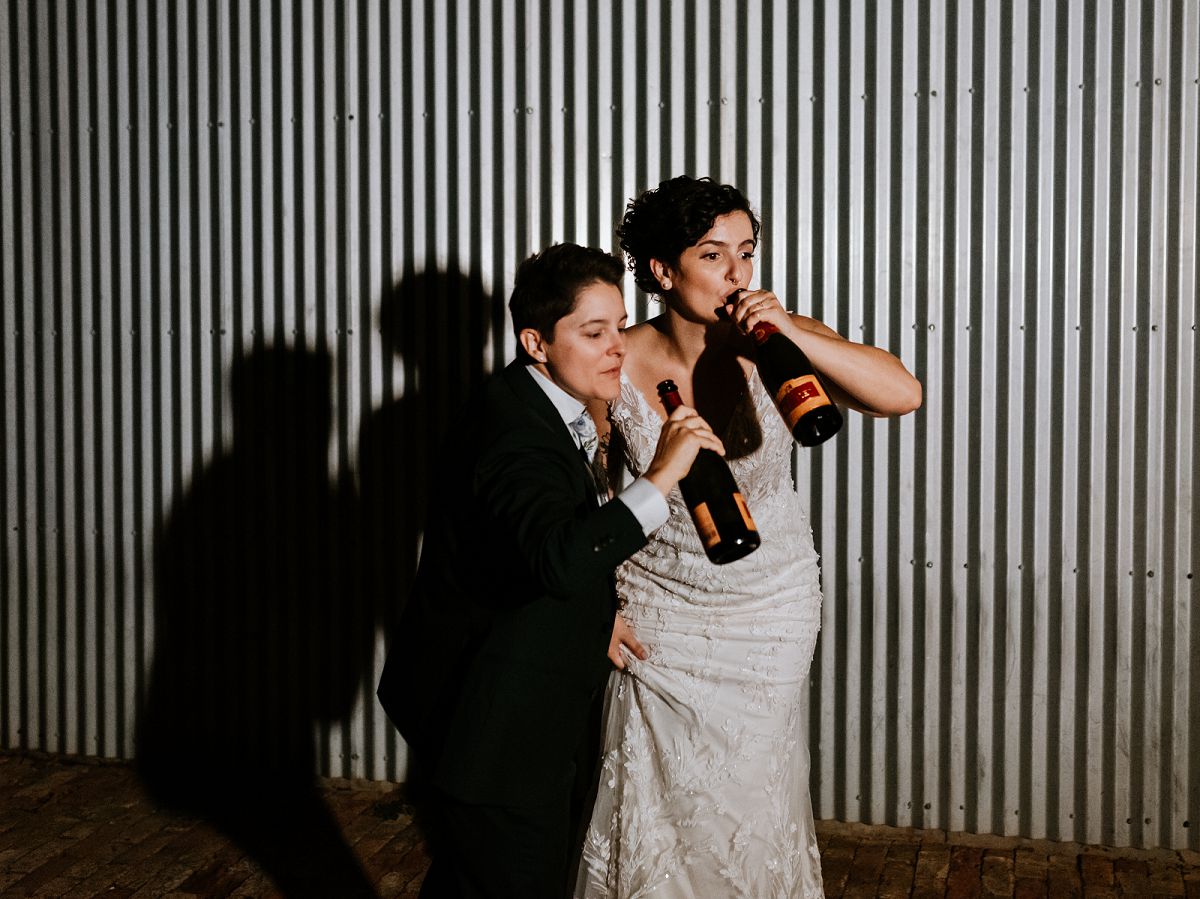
(1156, 81)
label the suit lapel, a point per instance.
(523, 386)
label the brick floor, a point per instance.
(83, 829)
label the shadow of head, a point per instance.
(438, 322)
(282, 400)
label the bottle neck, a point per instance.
(669, 394)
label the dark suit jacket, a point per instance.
(502, 647)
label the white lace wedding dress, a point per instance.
(704, 786)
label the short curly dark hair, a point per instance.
(666, 220)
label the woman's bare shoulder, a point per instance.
(643, 332)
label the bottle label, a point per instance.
(709, 535)
(706, 526)
(798, 397)
(761, 331)
(745, 510)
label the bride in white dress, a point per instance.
(703, 789)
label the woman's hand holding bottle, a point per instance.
(683, 435)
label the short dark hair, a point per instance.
(663, 222)
(548, 283)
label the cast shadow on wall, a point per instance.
(262, 630)
(436, 325)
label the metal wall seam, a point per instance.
(1187, 712)
(934, 324)
(13, 583)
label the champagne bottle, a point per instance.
(712, 496)
(799, 395)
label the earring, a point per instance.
(666, 284)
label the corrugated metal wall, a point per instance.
(1005, 194)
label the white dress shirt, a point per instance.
(641, 497)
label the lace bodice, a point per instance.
(758, 449)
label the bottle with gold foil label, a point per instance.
(796, 387)
(711, 494)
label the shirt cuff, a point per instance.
(648, 506)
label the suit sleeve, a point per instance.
(536, 494)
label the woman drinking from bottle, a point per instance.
(704, 786)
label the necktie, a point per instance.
(585, 431)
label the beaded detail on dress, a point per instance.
(704, 782)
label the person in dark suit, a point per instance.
(495, 677)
